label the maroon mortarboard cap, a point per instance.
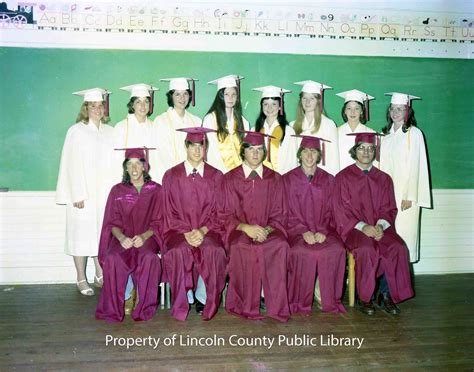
(139, 153)
(254, 138)
(257, 139)
(368, 137)
(197, 134)
(311, 142)
(135, 153)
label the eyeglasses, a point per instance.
(370, 150)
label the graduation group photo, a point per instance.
(210, 187)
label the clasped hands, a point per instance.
(256, 232)
(195, 237)
(136, 242)
(375, 232)
(313, 238)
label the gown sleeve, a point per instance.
(112, 218)
(71, 186)
(417, 188)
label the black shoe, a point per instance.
(385, 302)
(263, 307)
(367, 308)
(199, 307)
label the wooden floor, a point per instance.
(53, 327)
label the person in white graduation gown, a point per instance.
(84, 183)
(272, 121)
(171, 150)
(403, 157)
(137, 130)
(355, 113)
(311, 121)
(225, 116)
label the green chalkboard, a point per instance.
(37, 106)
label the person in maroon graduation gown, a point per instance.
(365, 210)
(254, 213)
(130, 241)
(193, 244)
(315, 246)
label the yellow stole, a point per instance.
(274, 147)
(230, 149)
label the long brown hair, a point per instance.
(410, 122)
(218, 108)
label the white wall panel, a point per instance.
(32, 233)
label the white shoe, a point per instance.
(86, 290)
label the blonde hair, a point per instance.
(83, 115)
(298, 125)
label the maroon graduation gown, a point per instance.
(257, 201)
(310, 209)
(368, 198)
(190, 204)
(134, 213)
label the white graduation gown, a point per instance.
(328, 131)
(130, 133)
(286, 158)
(403, 157)
(171, 150)
(84, 175)
(214, 157)
(347, 142)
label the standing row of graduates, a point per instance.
(83, 179)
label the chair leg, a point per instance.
(168, 295)
(162, 295)
(351, 275)
(224, 294)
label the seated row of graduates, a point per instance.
(270, 234)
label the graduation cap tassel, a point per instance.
(406, 112)
(147, 165)
(281, 103)
(106, 113)
(367, 107)
(238, 87)
(323, 153)
(377, 148)
(204, 155)
(150, 110)
(321, 105)
(193, 94)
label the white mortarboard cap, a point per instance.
(272, 91)
(180, 83)
(354, 95)
(229, 81)
(311, 86)
(401, 98)
(139, 90)
(93, 95)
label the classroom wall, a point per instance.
(37, 106)
(32, 234)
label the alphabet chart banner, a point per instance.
(311, 29)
